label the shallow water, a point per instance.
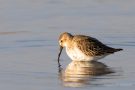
(29, 30)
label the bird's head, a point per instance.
(64, 39)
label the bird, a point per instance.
(84, 48)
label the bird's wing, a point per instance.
(91, 46)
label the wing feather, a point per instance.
(91, 46)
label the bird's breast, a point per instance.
(77, 54)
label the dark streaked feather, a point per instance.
(91, 46)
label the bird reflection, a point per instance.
(79, 73)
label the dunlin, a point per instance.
(84, 48)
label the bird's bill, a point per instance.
(61, 48)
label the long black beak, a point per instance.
(61, 48)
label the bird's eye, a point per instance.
(61, 41)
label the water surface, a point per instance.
(29, 30)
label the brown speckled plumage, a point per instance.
(84, 48)
(91, 46)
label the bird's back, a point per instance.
(91, 46)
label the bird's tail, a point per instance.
(119, 49)
(113, 50)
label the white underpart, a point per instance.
(77, 55)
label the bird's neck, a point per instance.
(69, 44)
